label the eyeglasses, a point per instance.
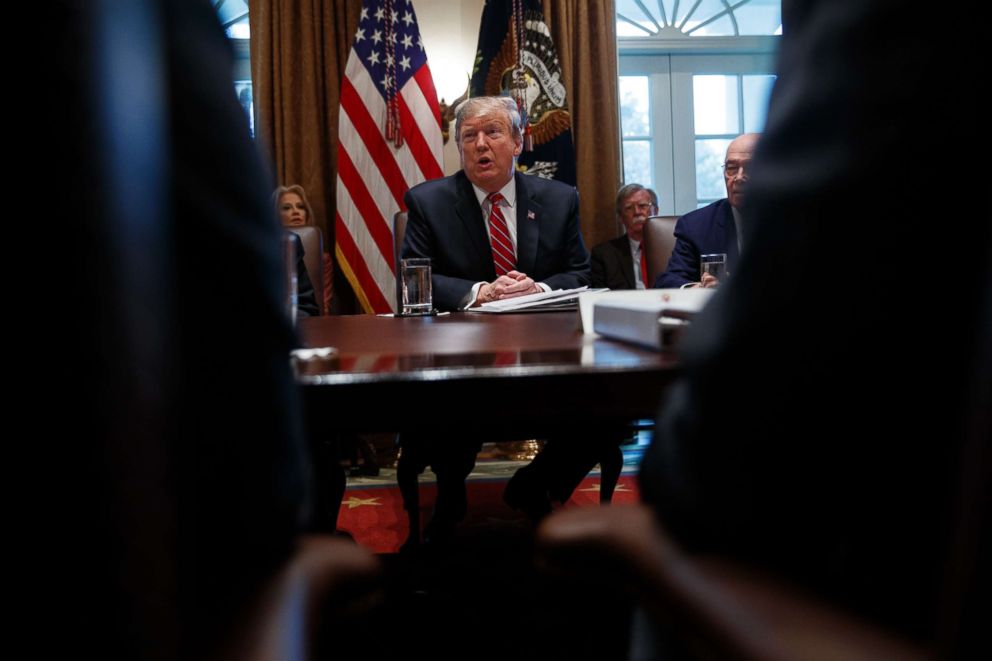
(640, 206)
(732, 168)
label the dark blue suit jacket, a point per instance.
(700, 232)
(445, 224)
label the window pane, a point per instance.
(233, 15)
(630, 10)
(717, 17)
(625, 29)
(637, 163)
(760, 17)
(722, 26)
(240, 30)
(714, 104)
(243, 89)
(709, 168)
(757, 89)
(702, 10)
(635, 110)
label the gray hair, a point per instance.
(629, 190)
(486, 105)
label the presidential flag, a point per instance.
(389, 139)
(517, 58)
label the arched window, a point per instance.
(693, 75)
(698, 18)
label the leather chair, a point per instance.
(659, 241)
(399, 231)
(313, 259)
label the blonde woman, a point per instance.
(294, 210)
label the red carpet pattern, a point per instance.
(374, 514)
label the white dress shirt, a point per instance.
(509, 208)
(635, 254)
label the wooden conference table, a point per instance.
(493, 375)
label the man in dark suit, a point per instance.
(492, 233)
(449, 219)
(613, 262)
(825, 448)
(715, 228)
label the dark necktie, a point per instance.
(499, 237)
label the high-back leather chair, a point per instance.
(313, 259)
(659, 241)
(399, 231)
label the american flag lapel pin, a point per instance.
(530, 215)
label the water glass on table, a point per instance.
(715, 265)
(415, 279)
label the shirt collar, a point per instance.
(509, 192)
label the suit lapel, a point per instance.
(470, 214)
(730, 230)
(528, 225)
(622, 245)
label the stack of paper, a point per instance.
(559, 299)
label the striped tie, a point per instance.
(499, 236)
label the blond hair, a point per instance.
(295, 188)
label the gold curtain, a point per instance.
(585, 35)
(299, 49)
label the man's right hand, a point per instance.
(506, 286)
(709, 281)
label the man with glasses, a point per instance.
(620, 263)
(715, 228)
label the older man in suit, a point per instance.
(492, 233)
(716, 228)
(621, 263)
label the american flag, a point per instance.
(389, 139)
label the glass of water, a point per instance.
(713, 264)
(415, 278)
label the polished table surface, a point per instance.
(500, 374)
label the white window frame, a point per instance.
(670, 65)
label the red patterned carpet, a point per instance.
(374, 515)
(480, 595)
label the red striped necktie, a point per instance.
(499, 237)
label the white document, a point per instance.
(558, 299)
